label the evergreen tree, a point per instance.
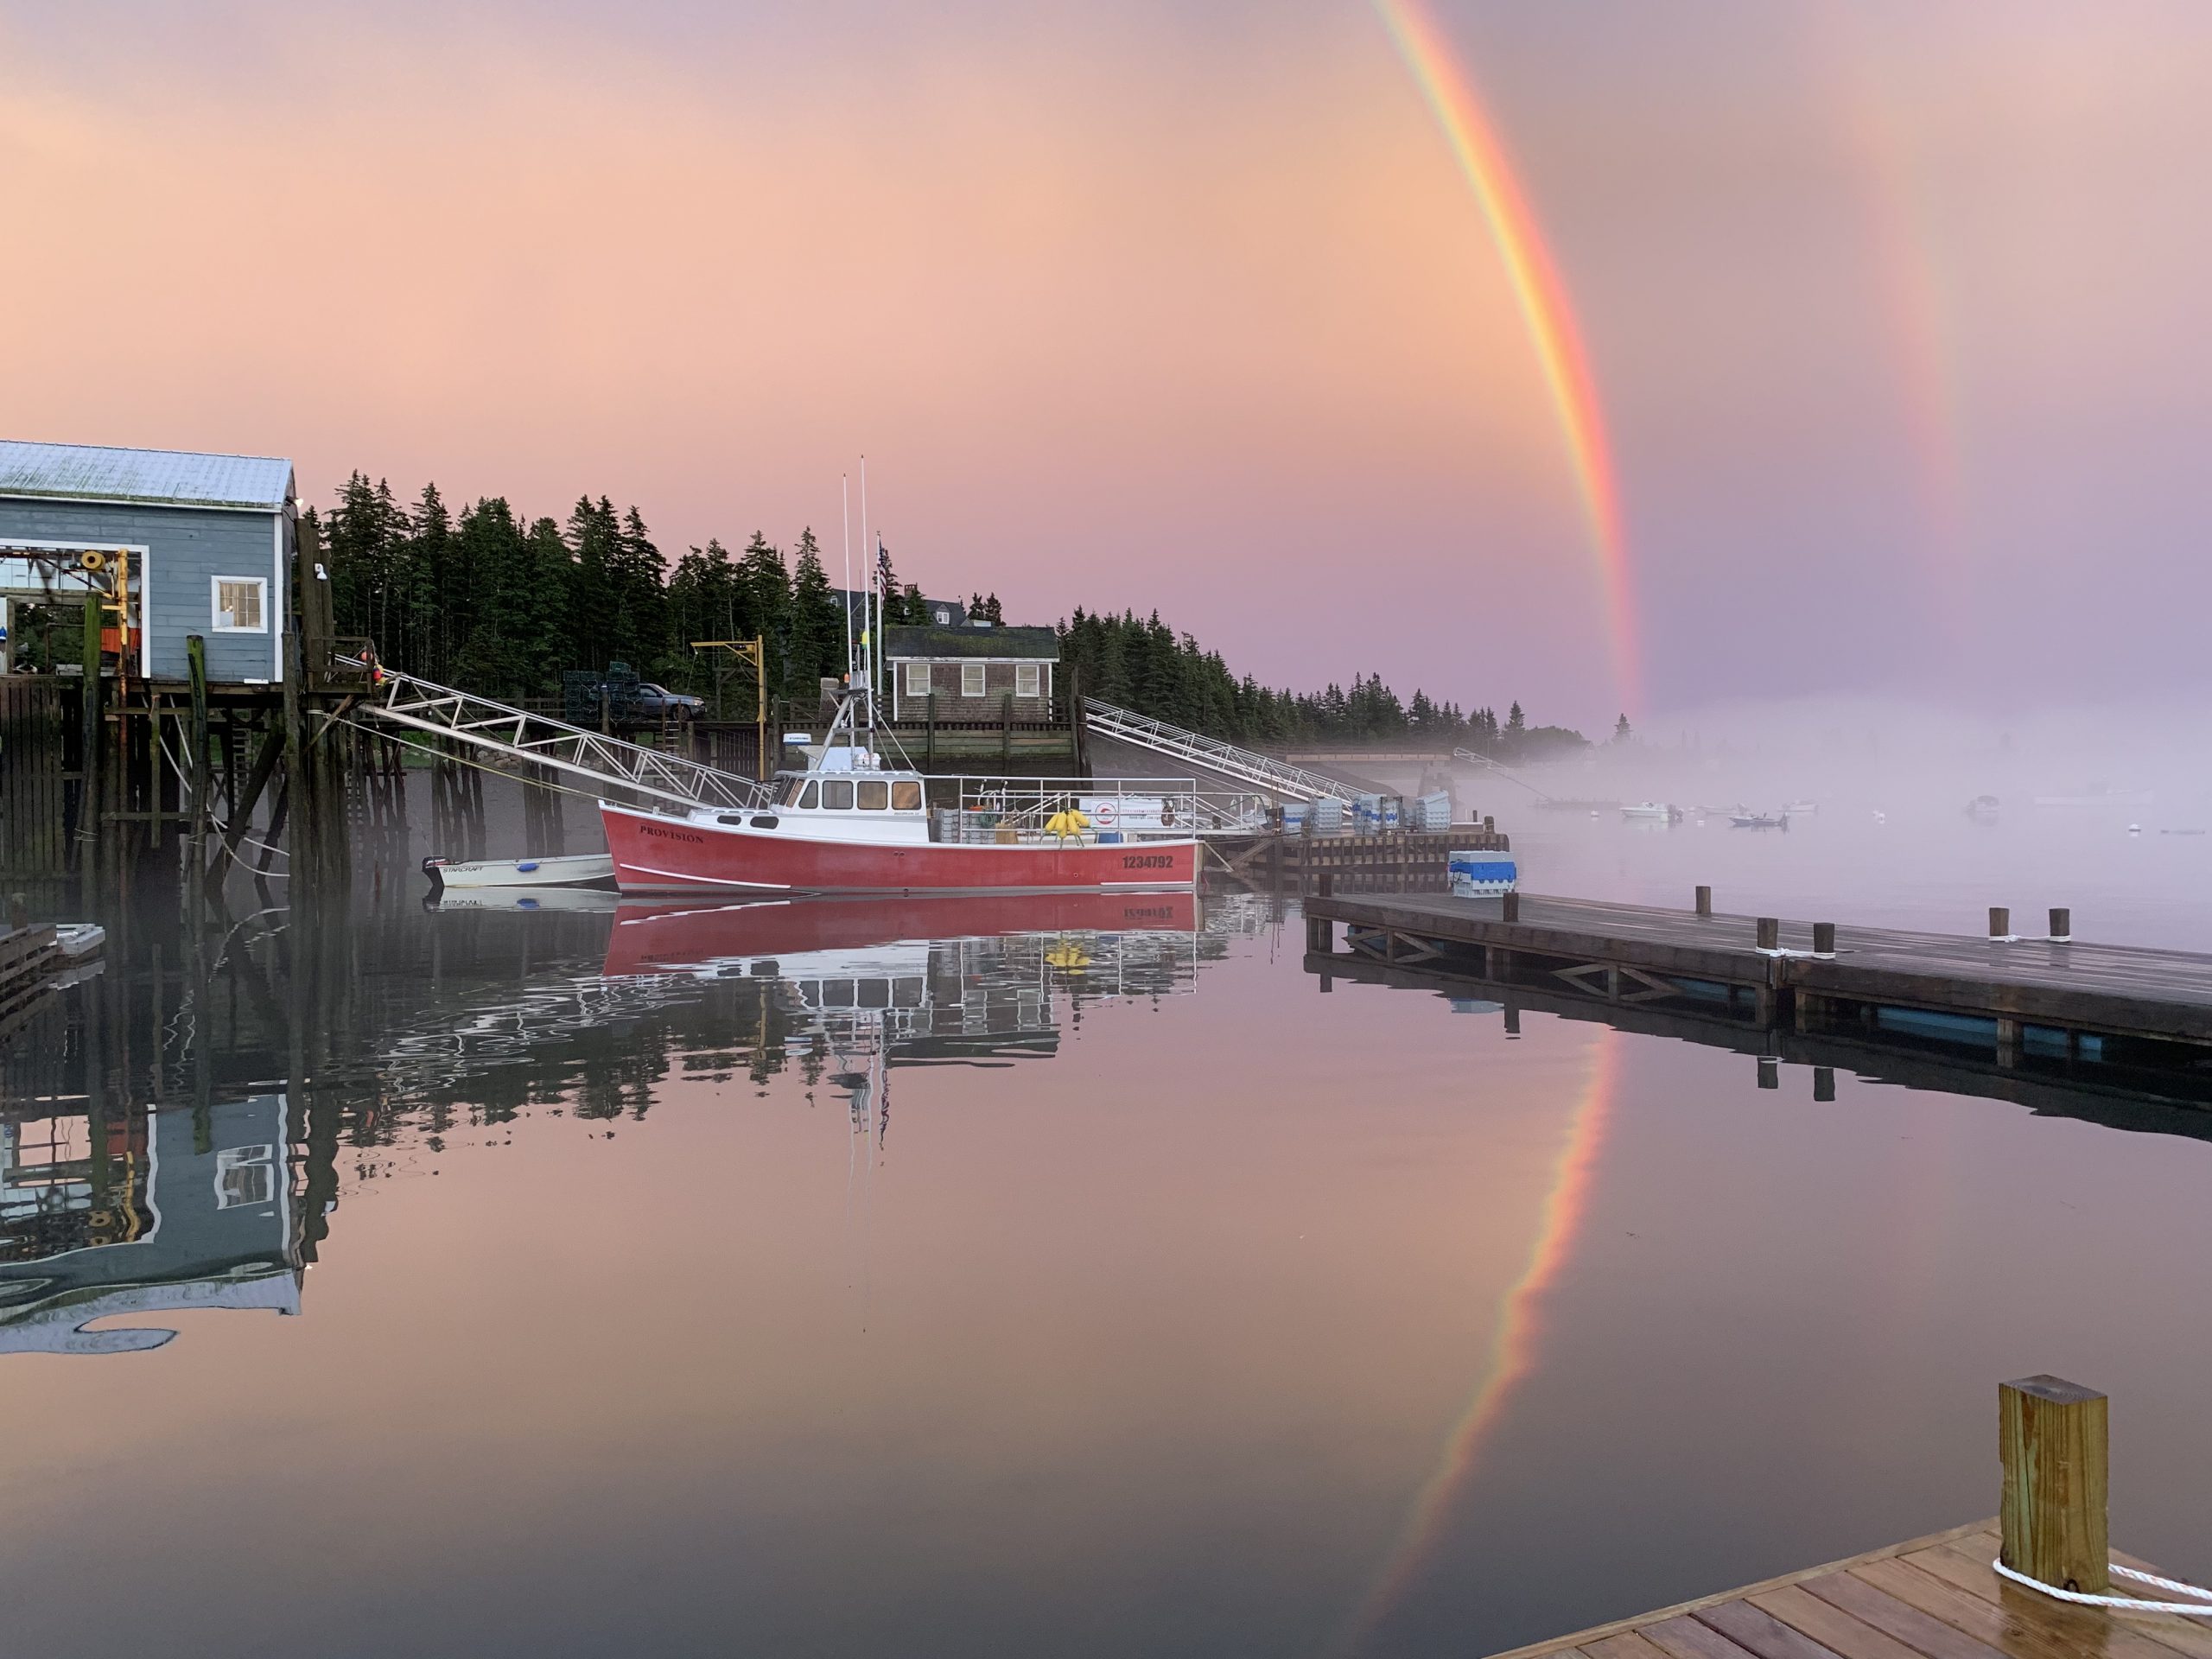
(991, 611)
(1621, 733)
(817, 626)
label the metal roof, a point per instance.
(170, 478)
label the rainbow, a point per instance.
(1902, 224)
(1513, 1350)
(1543, 301)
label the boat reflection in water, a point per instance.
(916, 980)
(151, 1212)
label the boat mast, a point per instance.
(845, 491)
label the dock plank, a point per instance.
(1758, 1631)
(1796, 1605)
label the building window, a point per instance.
(917, 679)
(244, 1176)
(240, 604)
(972, 680)
(1027, 680)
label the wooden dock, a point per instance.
(1933, 1597)
(2051, 996)
(1394, 861)
(1939, 1596)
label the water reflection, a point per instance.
(151, 1212)
(151, 1157)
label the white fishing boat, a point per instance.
(571, 870)
(1652, 811)
(1759, 820)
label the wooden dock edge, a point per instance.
(1560, 1644)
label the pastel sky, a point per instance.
(1893, 311)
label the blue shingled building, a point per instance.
(208, 541)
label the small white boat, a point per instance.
(1800, 809)
(1653, 811)
(2098, 797)
(574, 870)
(1759, 820)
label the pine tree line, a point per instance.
(1145, 666)
(501, 606)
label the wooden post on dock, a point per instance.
(1824, 939)
(1510, 910)
(1769, 932)
(1704, 902)
(88, 789)
(299, 775)
(1318, 936)
(2053, 1439)
(2000, 922)
(2062, 925)
(202, 779)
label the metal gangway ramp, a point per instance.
(507, 736)
(1262, 772)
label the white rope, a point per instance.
(2124, 1604)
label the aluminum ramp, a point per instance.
(506, 736)
(1262, 771)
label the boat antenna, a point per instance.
(845, 490)
(867, 619)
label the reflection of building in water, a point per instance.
(159, 1210)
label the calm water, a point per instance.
(885, 1279)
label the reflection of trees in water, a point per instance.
(396, 1028)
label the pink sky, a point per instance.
(1893, 312)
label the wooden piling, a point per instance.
(1770, 933)
(89, 802)
(2053, 1442)
(1824, 938)
(2062, 925)
(195, 658)
(1704, 902)
(2000, 922)
(1512, 907)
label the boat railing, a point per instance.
(1022, 809)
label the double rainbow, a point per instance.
(1545, 312)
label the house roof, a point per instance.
(1028, 645)
(170, 478)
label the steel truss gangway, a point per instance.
(1277, 777)
(505, 736)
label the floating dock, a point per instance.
(2049, 997)
(1939, 1596)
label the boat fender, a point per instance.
(525, 867)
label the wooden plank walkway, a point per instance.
(1641, 953)
(1933, 1597)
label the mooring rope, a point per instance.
(2123, 1604)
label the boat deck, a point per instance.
(1933, 1597)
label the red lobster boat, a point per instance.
(850, 824)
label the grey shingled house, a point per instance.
(971, 671)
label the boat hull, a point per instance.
(569, 870)
(660, 854)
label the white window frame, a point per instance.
(917, 679)
(982, 683)
(1033, 674)
(215, 604)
